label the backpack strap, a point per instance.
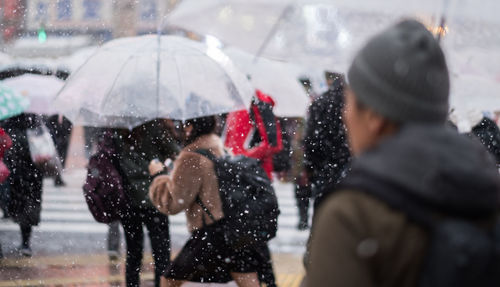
(206, 153)
(204, 207)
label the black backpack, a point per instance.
(460, 253)
(248, 200)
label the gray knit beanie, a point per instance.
(401, 74)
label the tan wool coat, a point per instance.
(193, 176)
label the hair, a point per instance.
(201, 126)
(335, 80)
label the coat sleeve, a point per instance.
(268, 127)
(311, 138)
(336, 237)
(176, 192)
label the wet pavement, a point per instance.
(98, 270)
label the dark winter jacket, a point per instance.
(325, 145)
(488, 133)
(363, 238)
(25, 178)
(135, 152)
(60, 129)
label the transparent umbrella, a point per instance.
(327, 33)
(41, 90)
(130, 81)
(278, 79)
(322, 33)
(74, 61)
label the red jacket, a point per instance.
(242, 125)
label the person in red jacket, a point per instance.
(255, 133)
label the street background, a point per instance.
(69, 247)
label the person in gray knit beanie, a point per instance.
(407, 165)
(401, 73)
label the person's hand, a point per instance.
(155, 166)
(159, 193)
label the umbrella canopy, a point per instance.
(5, 59)
(130, 81)
(40, 90)
(74, 61)
(328, 33)
(278, 79)
(321, 33)
(11, 103)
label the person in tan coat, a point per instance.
(405, 158)
(205, 257)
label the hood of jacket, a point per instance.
(433, 165)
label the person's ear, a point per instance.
(379, 126)
(375, 123)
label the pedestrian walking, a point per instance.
(206, 257)
(420, 203)
(135, 150)
(257, 133)
(60, 128)
(25, 179)
(326, 150)
(302, 188)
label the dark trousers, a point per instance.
(114, 236)
(157, 225)
(25, 235)
(303, 196)
(266, 272)
(5, 198)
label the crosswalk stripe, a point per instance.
(64, 210)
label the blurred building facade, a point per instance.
(108, 18)
(95, 20)
(11, 19)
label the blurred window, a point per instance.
(64, 9)
(148, 10)
(42, 9)
(91, 8)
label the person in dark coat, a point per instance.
(326, 149)
(25, 179)
(135, 150)
(407, 159)
(60, 129)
